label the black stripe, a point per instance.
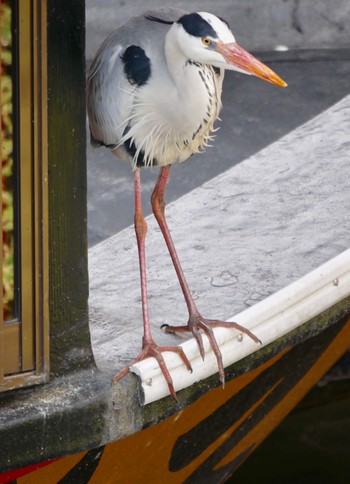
(83, 471)
(195, 25)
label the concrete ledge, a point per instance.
(61, 417)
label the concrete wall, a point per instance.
(257, 25)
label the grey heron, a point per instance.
(153, 96)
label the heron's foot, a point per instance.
(197, 323)
(150, 348)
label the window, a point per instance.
(24, 268)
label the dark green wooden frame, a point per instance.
(68, 272)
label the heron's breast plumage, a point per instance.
(167, 124)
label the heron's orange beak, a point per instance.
(240, 58)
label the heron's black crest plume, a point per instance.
(159, 20)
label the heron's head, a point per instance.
(205, 38)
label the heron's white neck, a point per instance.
(177, 61)
(175, 58)
(189, 90)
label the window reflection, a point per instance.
(7, 192)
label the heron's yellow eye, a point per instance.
(206, 41)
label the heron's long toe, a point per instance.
(150, 348)
(197, 323)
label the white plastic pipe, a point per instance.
(269, 319)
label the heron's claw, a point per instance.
(150, 348)
(196, 323)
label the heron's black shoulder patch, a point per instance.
(137, 66)
(195, 25)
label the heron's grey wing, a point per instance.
(109, 93)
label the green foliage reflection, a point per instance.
(7, 162)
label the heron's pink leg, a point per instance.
(195, 322)
(149, 347)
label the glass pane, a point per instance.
(7, 163)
